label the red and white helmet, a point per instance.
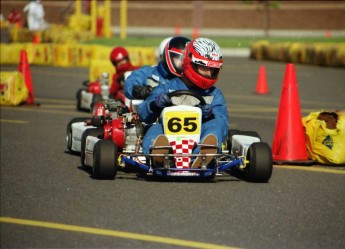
(118, 54)
(172, 58)
(204, 52)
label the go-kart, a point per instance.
(80, 127)
(93, 92)
(95, 98)
(119, 146)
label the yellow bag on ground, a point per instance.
(12, 88)
(325, 136)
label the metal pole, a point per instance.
(107, 19)
(93, 16)
(123, 19)
(77, 8)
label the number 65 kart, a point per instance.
(120, 147)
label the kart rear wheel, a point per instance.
(69, 132)
(93, 132)
(78, 96)
(260, 163)
(105, 159)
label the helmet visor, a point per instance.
(205, 71)
(176, 57)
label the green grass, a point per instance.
(223, 42)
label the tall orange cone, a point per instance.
(195, 33)
(24, 68)
(177, 30)
(289, 145)
(36, 39)
(261, 85)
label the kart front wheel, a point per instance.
(260, 163)
(105, 159)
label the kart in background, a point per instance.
(114, 143)
(93, 92)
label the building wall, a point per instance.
(294, 15)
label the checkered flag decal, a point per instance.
(182, 146)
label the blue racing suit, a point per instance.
(218, 125)
(143, 76)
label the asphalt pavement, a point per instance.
(48, 200)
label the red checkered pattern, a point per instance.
(183, 146)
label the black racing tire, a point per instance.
(94, 132)
(78, 96)
(260, 163)
(69, 131)
(105, 159)
(239, 132)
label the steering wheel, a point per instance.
(189, 93)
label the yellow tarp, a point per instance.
(13, 89)
(325, 136)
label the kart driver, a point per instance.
(159, 51)
(201, 65)
(140, 83)
(119, 57)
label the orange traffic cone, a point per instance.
(177, 30)
(261, 85)
(289, 145)
(195, 33)
(36, 39)
(24, 68)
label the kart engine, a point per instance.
(133, 133)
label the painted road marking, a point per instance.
(13, 121)
(113, 233)
(321, 170)
(59, 101)
(39, 109)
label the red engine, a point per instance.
(114, 130)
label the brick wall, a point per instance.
(296, 15)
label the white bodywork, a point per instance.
(241, 143)
(89, 146)
(85, 100)
(77, 131)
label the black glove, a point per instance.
(120, 80)
(162, 100)
(141, 92)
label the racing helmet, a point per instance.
(173, 55)
(159, 50)
(118, 54)
(202, 52)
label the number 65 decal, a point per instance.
(183, 123)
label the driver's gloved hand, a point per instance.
(162, 100)
(141, 92)
(206, 111)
